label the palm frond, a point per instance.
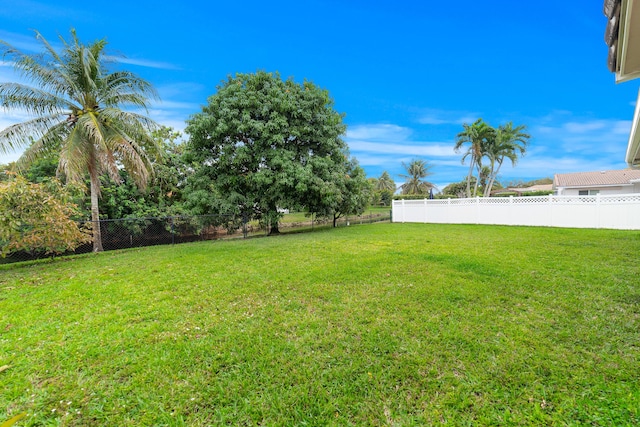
(21, 134)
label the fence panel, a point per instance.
(600, 211)
(136, 232)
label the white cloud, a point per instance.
(414, 149)
(445, 117)
(144, 63)
(584, 138)
(379, 132)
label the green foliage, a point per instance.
(38, 218)
(415, 183)
(410, 196)
(494, 144)
(525, 194)
(163, 196)
(82, 115)
(457, 189)
(353, 197)
(477, 137)
(383, 189)
(265, 144)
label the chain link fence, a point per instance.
(136, 232)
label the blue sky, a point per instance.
(407, 74)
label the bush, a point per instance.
(38, 218)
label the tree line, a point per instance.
(260, 144)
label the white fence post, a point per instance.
(426, 211)
(599, 225)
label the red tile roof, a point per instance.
(594, 179)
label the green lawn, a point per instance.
(384, 324)
(301, 217)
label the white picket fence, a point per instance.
(618, 211)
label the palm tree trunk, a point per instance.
(469, 178)
(95, 214)
(493, 177)
(475, 187)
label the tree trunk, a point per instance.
(335, 221)
(492, 175)
(95, 214)
(493, 178)
(469, 178)
(475, 187)
(274, 228)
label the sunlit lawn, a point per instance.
(384, 324)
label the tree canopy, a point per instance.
(265, 143)
(415, 182)
(494, 144)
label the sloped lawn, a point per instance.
(385, 324)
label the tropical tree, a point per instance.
(351, 198)
(415, 183)
(509, 142)
(382, 189)
(477, 135)
(456, 189)
(78, 109)
(265, 144)
(385, 182)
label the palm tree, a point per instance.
(385, 183)
(417, 170)
(508, 143)
(77, 105)
(477, 136)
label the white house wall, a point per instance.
(603, 190)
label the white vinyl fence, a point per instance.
(619, 211)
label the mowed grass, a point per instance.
(384, 324)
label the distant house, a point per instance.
(519, 191)
(591, 183)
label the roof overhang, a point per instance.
(628, 44)
(633, 148)
(622, 35)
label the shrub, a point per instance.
(38, 218)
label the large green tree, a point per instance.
(415, 182)
(79, 112)
(266, 143)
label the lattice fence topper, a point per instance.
(616, 211)
(603, 199)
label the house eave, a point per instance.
(633, 146)
(628, 43)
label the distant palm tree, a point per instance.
(385, 182)
(509, 142)
(77, 105)
(415, 183)
(477, 136)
